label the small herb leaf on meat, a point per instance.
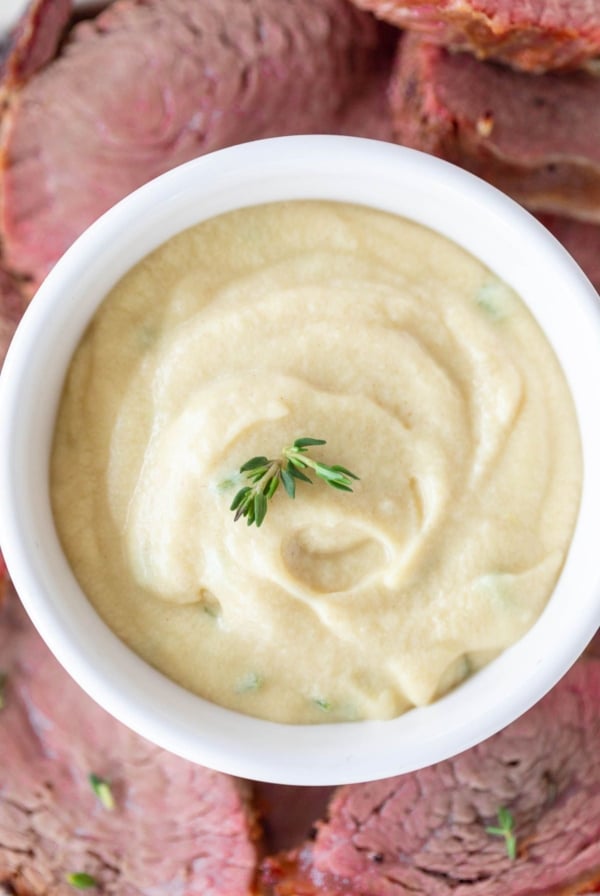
(262, 476)
(101, 788)
(505, 829)
(81, 881)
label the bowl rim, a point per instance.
(347, 169)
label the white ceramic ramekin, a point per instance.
(398, 180)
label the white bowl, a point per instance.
(473, 214)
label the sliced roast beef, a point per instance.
(3, 590)
(533, 36)
(176, 830)
(536, 138)
(593, 648)
(35, 40)
(425, 833)
(581, 240)
(12, 306)
(149, 84)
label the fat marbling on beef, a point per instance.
(177, 829)
(536, 138)
(425, 833)
(531, 35)
(149, 84)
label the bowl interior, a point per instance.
(394, 179)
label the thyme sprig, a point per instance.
(506, 824)
(265, 474)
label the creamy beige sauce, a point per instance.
(427, 377)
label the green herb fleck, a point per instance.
(147, 336)
(81, 881)
(225, 484)
(494, 298)
(101, 788)
(506, 824)
(262, 476)
(250, 682)
(3, 680)
(322, 704)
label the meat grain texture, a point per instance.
(530, 35)
(149, 84)
(536, 138)
(177, 829)
(425, 832)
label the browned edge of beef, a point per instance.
(535, 138)
(35, 40)
(534, 38)
(425, 832)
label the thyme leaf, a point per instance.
(81, 881)
(261, 476)
(101, 788)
